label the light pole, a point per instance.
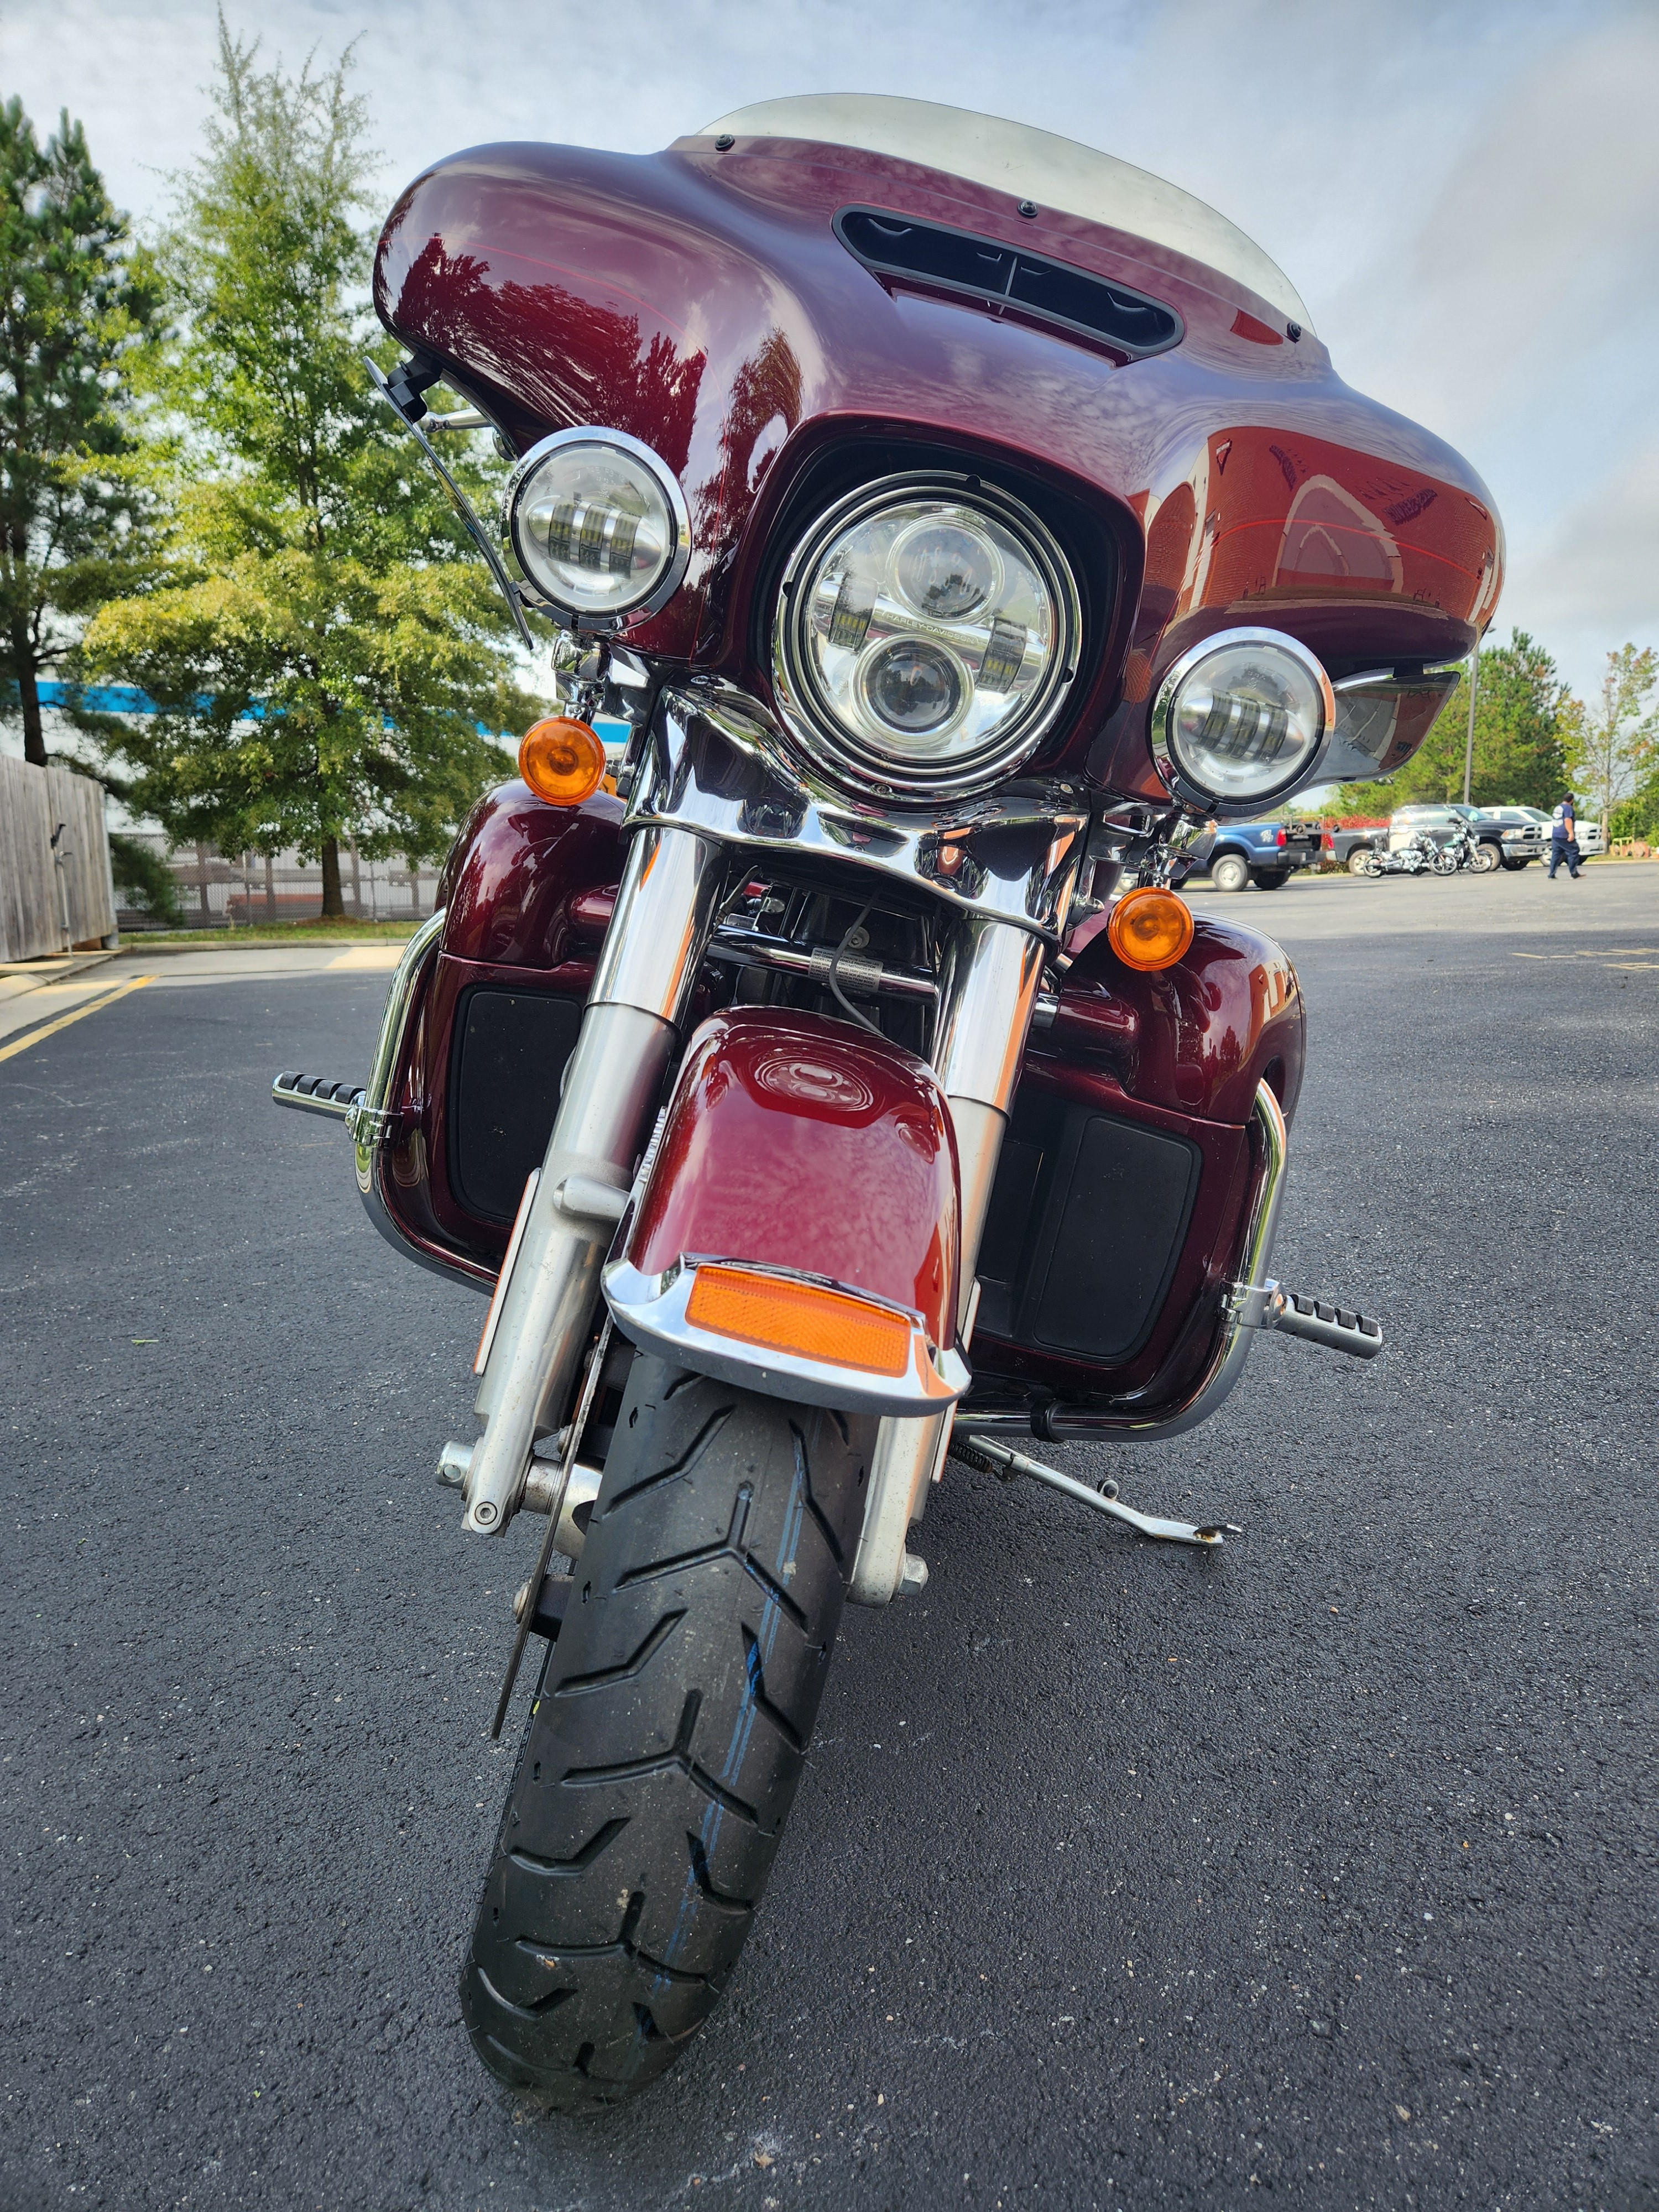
(1468, 746)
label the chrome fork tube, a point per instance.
(666, 909)
(987, 993)
(986, 997)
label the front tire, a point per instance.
(1359, 861)
(668, 1734)
(1487, 859)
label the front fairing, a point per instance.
(701, 300)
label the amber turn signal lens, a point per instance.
(799, 1318)
(562, 761)
(1150, 929)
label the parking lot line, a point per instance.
(1629, 959)
(50, 1029)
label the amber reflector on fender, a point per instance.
(1150, 929)
(799, 1318)
(562, 761)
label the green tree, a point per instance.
(1524, 716)
(76, 302)
(323, 646)
(1615, 743)
(1638, 815)
(145, 877)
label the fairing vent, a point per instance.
(508, 1060)
(1087, 1220)
(984, 269)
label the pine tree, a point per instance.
(76, 303)
(323, 644)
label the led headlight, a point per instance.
(1242, 719)
(927, 630)
(598, 525)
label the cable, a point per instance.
(841, 998)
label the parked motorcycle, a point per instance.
(1415, 855)
(953, 516)
(1463, 849)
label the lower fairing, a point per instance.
(1126, 1183)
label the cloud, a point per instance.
(1465, 192)
(1589, 583)
(133, 68)
(1521, 317)
(1540, 244)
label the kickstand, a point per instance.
(992, 1458)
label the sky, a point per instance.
(1466, 192)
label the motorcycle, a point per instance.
(1463, 849)
(1417, 855)
(953, 518)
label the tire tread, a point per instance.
(667, 1736)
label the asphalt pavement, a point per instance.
(1323, 1869)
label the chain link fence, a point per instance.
(249, 890)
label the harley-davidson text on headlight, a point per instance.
(599, 525)
(1242, 717)
(927, 630)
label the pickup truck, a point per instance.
(1234, 854)
(1522, 833)
(1592, 836)
(1343, 844)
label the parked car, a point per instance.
(1523, 833)
(1268, 853)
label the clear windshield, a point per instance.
(1028, 165)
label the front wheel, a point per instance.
(1444, 862)
(1362, 861)
(1487, 859)
(668, 1733)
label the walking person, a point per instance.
(1564, 841)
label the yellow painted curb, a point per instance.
(368, 956)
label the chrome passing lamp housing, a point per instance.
(926, 635)
(598, 526)
(1241, 720)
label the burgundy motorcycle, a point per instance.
(954, 517)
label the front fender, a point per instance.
(802, 1162)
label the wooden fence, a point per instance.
(56, 890)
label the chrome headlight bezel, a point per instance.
(1180, 778)
(849, 757)
(535, 591)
